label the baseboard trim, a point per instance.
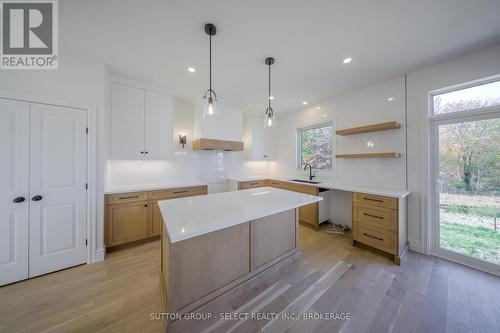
(416, 246)
(100, 254)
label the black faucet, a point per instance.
(311, 176)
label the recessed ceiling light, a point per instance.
(324, 115)
(304, 103)
(191, 69)
(347, 60)
(318, 107)
(390, 99)
(271, 97)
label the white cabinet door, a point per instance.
(58, 146)
(127, 122)
(260, 140)
(158, 128)
(14, 178)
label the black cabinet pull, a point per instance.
(370, 199)
(375, 216)
(130, 197)
(19, 199)
(178, 192)
(142, 152)
(380, 239)
(37, 198)
(145, 205)
(147, 152)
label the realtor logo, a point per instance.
(29, 34)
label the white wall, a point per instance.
(474, 66)
(78, 82)
(363, 107)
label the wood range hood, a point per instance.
(214, 144)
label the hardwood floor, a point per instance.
(328, 275)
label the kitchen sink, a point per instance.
(305, 181)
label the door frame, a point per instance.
(93, 252)
(433, 227)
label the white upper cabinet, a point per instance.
(141, 123)
(259, 141)
(158, 125)
(227, 125)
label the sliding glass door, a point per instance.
(466, 175)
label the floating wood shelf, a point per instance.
(369, 155)
(369, 128)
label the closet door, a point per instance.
(14, 191)
(158, 120)
(58, 145)
(127, 122)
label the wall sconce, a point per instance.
(182, 139)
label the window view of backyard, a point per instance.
(469, 179)
(316, 147)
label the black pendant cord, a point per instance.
(210, 63)
(269, 97)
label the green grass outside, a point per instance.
(478, 242)
(486, 211)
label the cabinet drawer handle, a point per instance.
(380, 239)
(375, 216)
(370, 199)
(254, 184)
(178, 192)
(130, 197)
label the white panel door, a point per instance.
(127, 122)
(158, 125)
(58, 145)
(14, 180)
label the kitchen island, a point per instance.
(212, 243)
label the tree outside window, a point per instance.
(316, 147)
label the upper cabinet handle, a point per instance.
(19, 199)
(37, 197)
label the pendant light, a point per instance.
(210, 109)
(270, 119)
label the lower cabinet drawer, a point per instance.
(381, 239)
(376, 217)
(177, 193)
(252, 184)
(113, 199)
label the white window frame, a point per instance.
(298, 156)
(436, 120)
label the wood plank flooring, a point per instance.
(328, 275)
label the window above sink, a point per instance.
(315, 147)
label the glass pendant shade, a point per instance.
(210, 107)
(270, 118)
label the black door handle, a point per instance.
(37, 198)
(19, 199)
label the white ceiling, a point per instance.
(156, 41)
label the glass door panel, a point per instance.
(469, 188)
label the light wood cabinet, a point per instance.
(379, 222)
(127, 222)
(155, 220)
(134, 216)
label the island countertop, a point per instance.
(195, 216)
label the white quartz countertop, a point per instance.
(331, 185)
(153, 187)
(195, 216)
